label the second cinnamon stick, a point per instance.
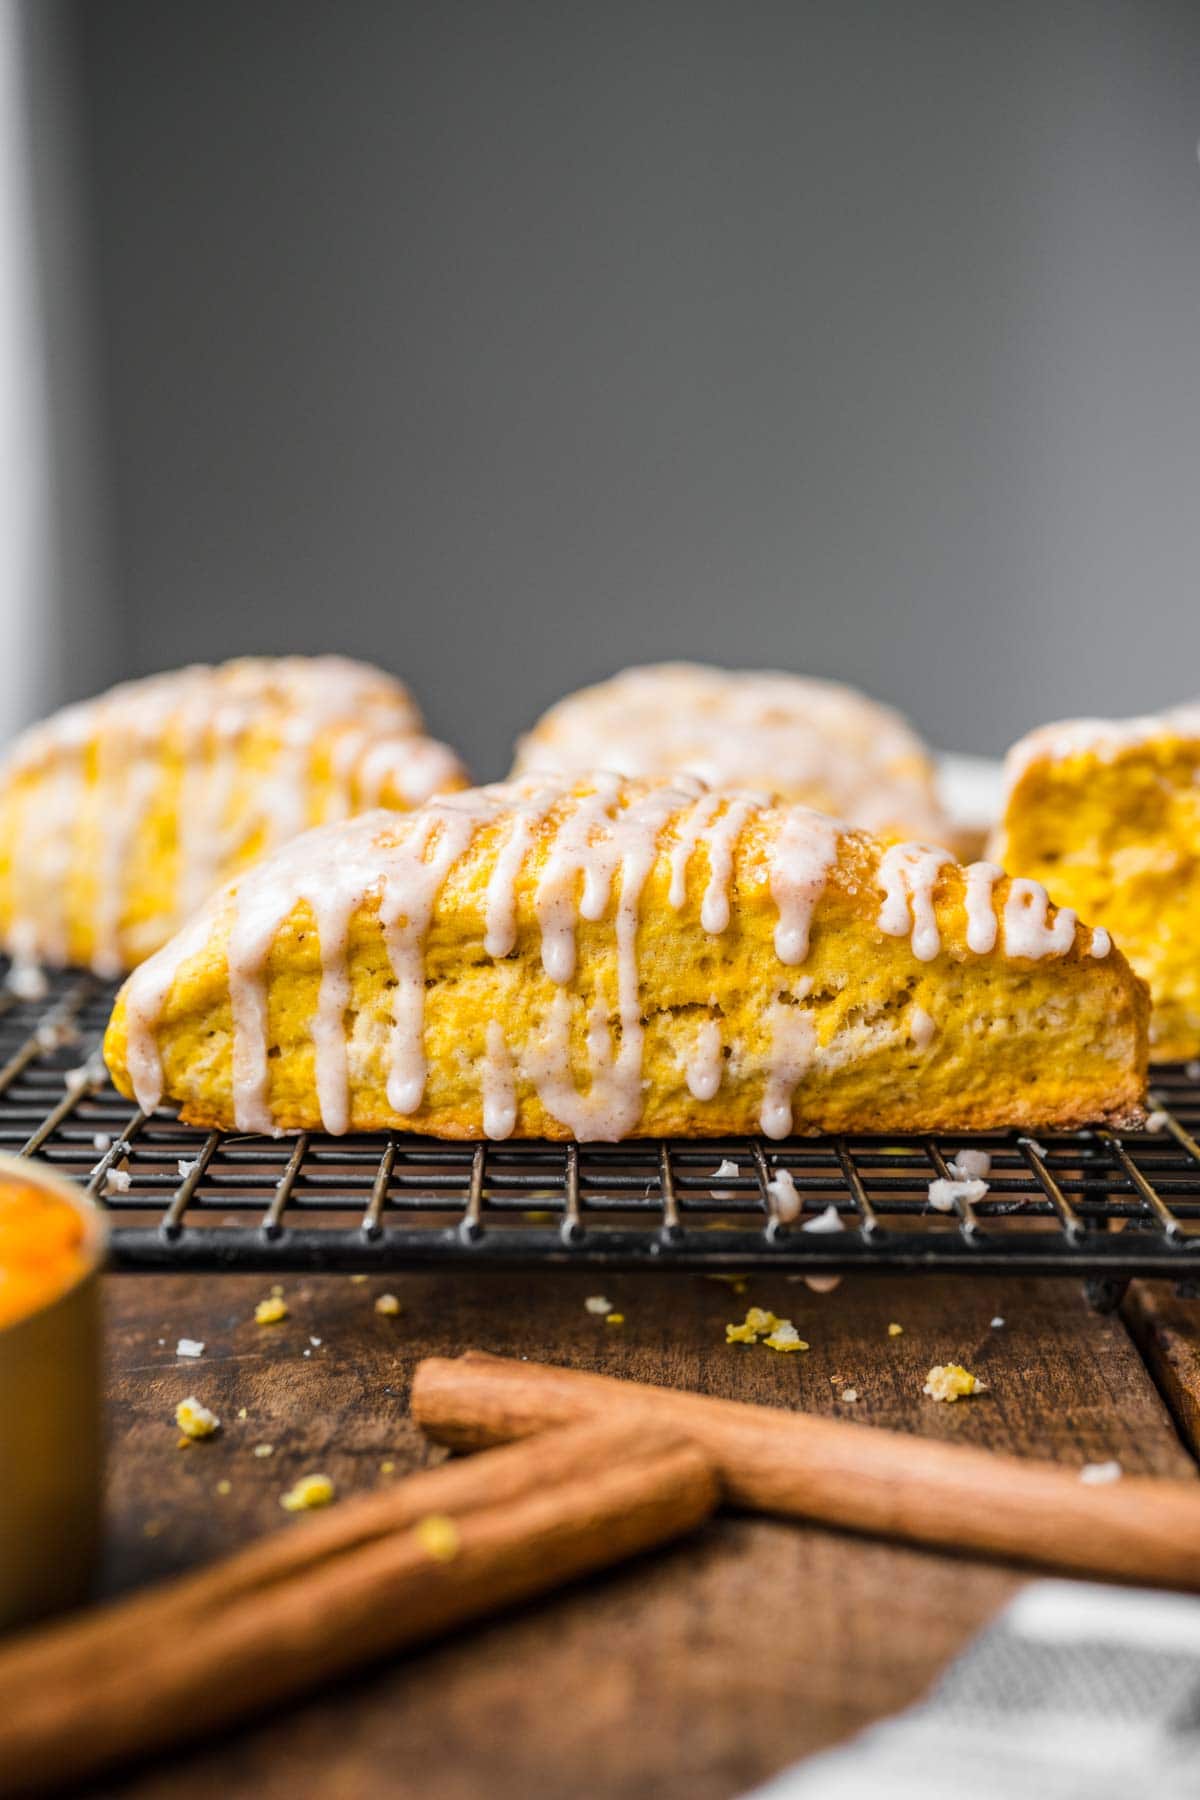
(860, 1477)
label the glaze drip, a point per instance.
(908, 875)
(1027, 927)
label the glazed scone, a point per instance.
(608, 960)
(119, 816)
(815, 742)
(1107, 814)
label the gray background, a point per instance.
(508, 344)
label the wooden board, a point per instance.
(696, 1673)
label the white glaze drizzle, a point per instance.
(908, 875)
(793, 1046)
(982, 925)
(499, 1086)
(717, 821)
(1027, 929)
(921, 1028)
(706, 1063)
(803, 853)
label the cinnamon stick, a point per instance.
(328, 1595)
(859, 1477)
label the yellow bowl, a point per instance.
(51, 1429)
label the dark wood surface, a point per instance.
(698, 1672)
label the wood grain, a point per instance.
(1166, 1329)
(697, 1673)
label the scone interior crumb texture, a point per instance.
(119, 816)
(1107, 815)
(803, 739)
(609, 959)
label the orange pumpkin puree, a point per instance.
(41, 1248)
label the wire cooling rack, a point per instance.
(1099, 1204)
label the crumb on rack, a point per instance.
(195, 1420)
(945, 1195)
(388, 1306)
(998, 1323)
(1099, 1474)
(782, 1189)
(970, 1165)
(264, 1450)
(1157, 1121)
(241, 1412)
(225, 1487)
(614, 1318)
(725, 1168)
(597, 1304)
(358, 1280)
(849, 1394)
(309, 1491)
(117, 1181)
(190, 1347)
(387, 1468)
(438, 1536)
(895, 1330)
(271, 1311)
(950, 1381)
(829, 1220)
(185, 1167)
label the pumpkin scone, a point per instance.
(805, 740)
(610, 959)
(1107, 814)
(119, 816)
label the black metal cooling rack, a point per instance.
(1095, 1203)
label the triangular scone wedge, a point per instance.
(119, 816)
(609, 960)
(1107, 813)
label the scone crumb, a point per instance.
(895, 1330)
(438, 1537)
(850, 1394)
(271, 1311)
(785, 1337)
(190, 1347)
(388, 1306)
(614, 1318)
(264, 1450)
(358, 1280)
(224, 1487)
(756, 1324)
(309, 1491)
(195, 1420)
(596, 1303)
(241, 1412)
(387, 1468)
(950, 1381)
